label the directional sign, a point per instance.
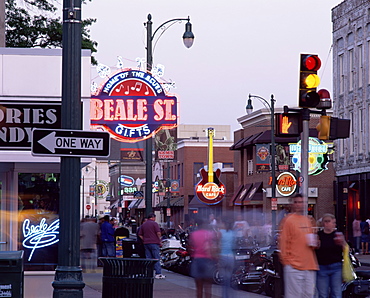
(75, 143)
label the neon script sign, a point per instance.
(132, 106)
(39, 236)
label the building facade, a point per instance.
(252, 161)
(351, 100)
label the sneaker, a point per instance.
(160, 276)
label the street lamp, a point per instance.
(271, 107)
(188, 39)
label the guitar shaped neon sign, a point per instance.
(210, 190)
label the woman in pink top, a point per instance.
(203, 246)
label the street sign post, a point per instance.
(73, 143)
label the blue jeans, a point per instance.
(226, 266)
(108, 249)
(152, 252)
(329, 281)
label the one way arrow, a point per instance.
(51, 141)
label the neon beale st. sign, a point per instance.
(39, 236)
(132, 106)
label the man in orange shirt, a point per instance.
(297, 253)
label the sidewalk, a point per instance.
(38, 284)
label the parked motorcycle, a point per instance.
(168, 256)
(360, 286)
(249, 264)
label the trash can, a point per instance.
(12, 275)
(128, 278)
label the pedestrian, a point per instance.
(356, 231)
(139, 242)
(227, 256)
(107, 238)
(365, 237)
(150, 233)
(203, 246)
(242, 229)
(329, 258)
(89, 234)
(297, 244)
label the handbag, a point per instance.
(348, 272)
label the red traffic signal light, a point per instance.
(288, 124)
(308, 81)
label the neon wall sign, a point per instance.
(132, 106)
(40, 235)
(317, 156)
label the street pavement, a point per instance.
(38, 285)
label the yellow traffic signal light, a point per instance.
(324, 128)
(309, 80)
(288, 124)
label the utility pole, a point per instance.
(68, 275)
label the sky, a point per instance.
(240, 47)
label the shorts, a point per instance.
(202, 268)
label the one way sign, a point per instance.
(75, 143)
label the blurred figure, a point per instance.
(241, 228)
(107, 238)
(203, 243)
(364, 225)
(227, 257)
(329, 257)
(212, 221)
(89, 234)
(356, 231)
(297, 245)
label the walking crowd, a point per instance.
(311, 253)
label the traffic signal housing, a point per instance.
(332, 128)
(308, 81)
(288, 124)
(323, 128)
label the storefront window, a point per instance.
(38, 204)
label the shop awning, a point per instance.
(132, 204)
(138, 204)
(196, 203)
(174, 202)
(239, 199)
(255, 195)
(236, 193)
(265, 137)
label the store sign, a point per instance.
(39, 235)
(126, 180)
(19, 118)
(286, 184)
(101, 188)
(132, 106)
(317, 156)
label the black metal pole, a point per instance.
(273, 181)
(68, 276)
(149, 141)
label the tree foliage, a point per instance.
(38, 26)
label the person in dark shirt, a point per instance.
(107, 238)
(150, 233)
(329, 258)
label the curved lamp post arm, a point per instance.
(188, 37)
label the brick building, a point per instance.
(254, 175)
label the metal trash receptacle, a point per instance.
(128, 277)
(12, 274)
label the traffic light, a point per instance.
(339, 128)
(324, 128)
(308, 81)
(288, 124)
(332, 128)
